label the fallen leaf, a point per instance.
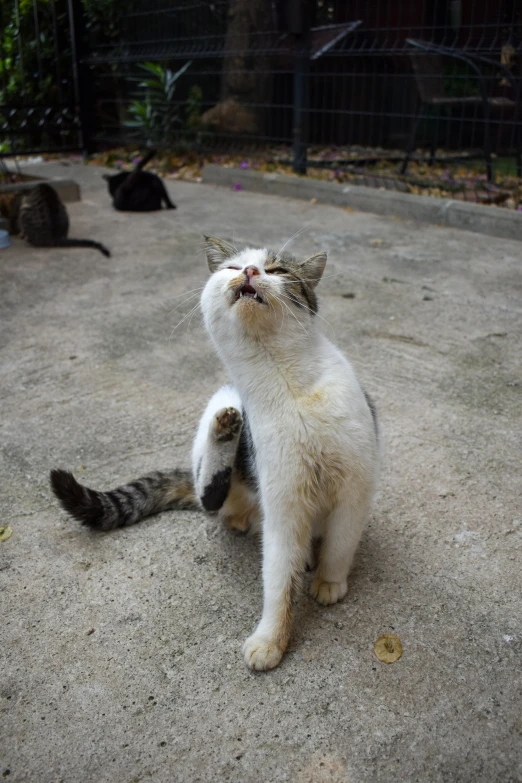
(90, 631)
(5, 532)
(313, 201)
(388, 648)
(376, 242)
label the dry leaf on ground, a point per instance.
(5, 532)
(388, 648)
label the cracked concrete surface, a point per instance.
(122, 652)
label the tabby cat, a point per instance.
(138, 191)
(40, 217)
(292, 445)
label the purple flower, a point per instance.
(136, 160)
(244, 164)
(238, 186)
(519, 208)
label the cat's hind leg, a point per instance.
(342, 533)
(215, 448)
(165, 197)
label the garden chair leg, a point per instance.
(411, 143)
(517, 118)
(434, 139)
(487, 148)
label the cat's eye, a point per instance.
(233, 267)
(278, 270)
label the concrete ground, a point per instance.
(122, 652)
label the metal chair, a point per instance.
(427, 62)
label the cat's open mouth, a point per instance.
(246, 291)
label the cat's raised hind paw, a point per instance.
(227, 423)
(261, 653)
(328, 592)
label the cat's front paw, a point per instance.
(328, 592)
(227, 423)
(261, 653)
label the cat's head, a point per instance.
(259, 290)
(115, 180)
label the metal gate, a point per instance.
(39, 85)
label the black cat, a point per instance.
(138, 191)
(40, 217)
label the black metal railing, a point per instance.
(322, 74)
(320, 83)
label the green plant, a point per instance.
(35, 72)
(103, 18)
(153, 113)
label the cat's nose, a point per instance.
(251, 271)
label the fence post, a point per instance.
(80, 76)
(299, 25)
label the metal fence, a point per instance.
(39, 88)
(320, 82)
(327, 73)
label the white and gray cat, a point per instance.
(291, 447)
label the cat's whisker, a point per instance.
(324, 277)
(291, 313)
(190, 291)
(293, 237)
(310, 311)
(188, 299)
(183, 319)
(231, 245)
(190, 320)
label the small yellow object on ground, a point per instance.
(388, 648)
(5, 532)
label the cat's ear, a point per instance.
(312, 269)
(217, 252)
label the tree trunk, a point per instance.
(246, 81)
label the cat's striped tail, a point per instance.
(127, 504)
(66, 242)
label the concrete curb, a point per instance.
(67, 189)
(456, 214)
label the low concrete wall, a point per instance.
(494, 221)
(67, 189)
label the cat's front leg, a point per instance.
(343, 530)
(285, 547)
